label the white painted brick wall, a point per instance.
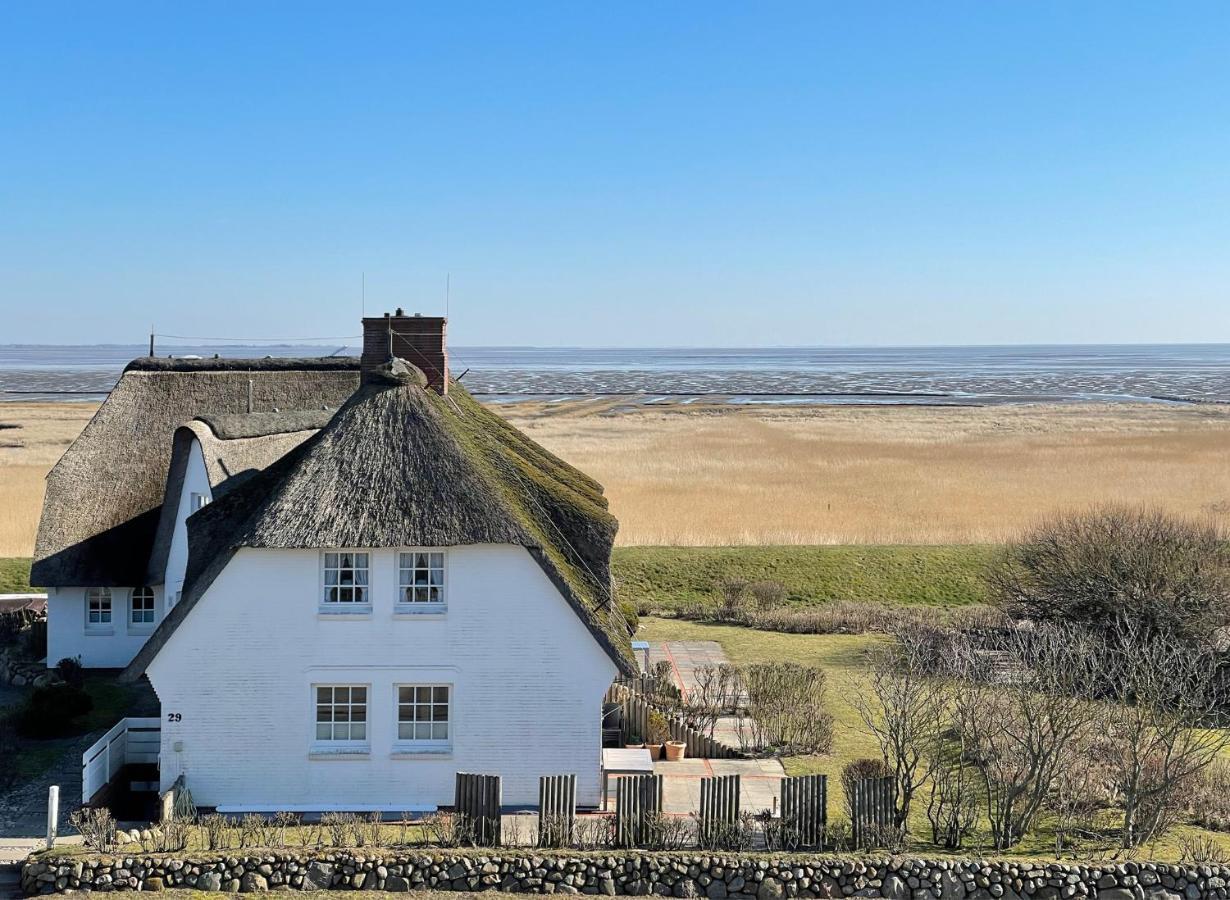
(528, 684)
(98, 648)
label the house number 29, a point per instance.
(174, 717)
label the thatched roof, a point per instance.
(103, 497)
(234, 446)
(400, 465)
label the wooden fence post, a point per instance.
(638, 800)
(477, 809)
(873, 803)
(804, 812)
(557, 810)
(719, 812)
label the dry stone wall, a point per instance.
(630, 874)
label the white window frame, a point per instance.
(101, 625)
(143, 624)
(327, 745)
(197, 501)
(423, 745)
(421, 607)
(345, 607)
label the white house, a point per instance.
(351, 606)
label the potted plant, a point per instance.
(634, 742)
(675, 750)
(659, 733)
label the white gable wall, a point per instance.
(98, 647)
(196, 481)
(528, 680)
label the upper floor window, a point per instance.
(196, 501)
(98, 607)
(141, 609)
(346, 578)
(421, 579)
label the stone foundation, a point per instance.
(19, 672)
(719, 877)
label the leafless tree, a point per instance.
(1163, 697)
(905, 711)
(1021, 734)
(716, 692)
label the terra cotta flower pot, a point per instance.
(675, 750)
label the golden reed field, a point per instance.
(713, 475)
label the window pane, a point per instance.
(358, 732)
(323, 732)
(331, 559)
(439, 732)
(440, 694)
(405, 732)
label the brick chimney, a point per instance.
(419, 340)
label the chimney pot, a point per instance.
(400, 312)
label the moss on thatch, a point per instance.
(399, 465)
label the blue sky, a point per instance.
(618, 174)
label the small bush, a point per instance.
(53, 711)
(1208, 797)
(96, 826)
(631, 615)
(70, 669)
(857, 770)
(767, 595)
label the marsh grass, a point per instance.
(833, 475)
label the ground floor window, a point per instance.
(423, 714)
(98, 607)
(142, 606)
(341, 713)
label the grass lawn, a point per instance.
(669, 577)
(15, 575)
(844, 659)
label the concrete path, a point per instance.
(685, 658)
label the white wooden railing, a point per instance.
(130, 741)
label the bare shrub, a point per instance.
(96, 826)
(1207, 799)
(311, 834)
(251, 831)
(905, 712)
(734, 600)
(784, 711)
(952, 806)
(440, 829)
(1166, 575)
(857, 770)
(1021, 734)
(594, 833)
(340, 827)
(281, 822)
(667, 832)
(1201, 850)
(739, 835)
(767, 595)
(172, 836)
(716, 692)
(216, 828)
(1164, 696)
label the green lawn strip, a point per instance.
(15, 575)
(844, 660)
(906, 575)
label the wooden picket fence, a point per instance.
(718, 820)
(636, 710)
(804, 818)
(638, 801)
(477, 809)
(557, 810)
(873, 803)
